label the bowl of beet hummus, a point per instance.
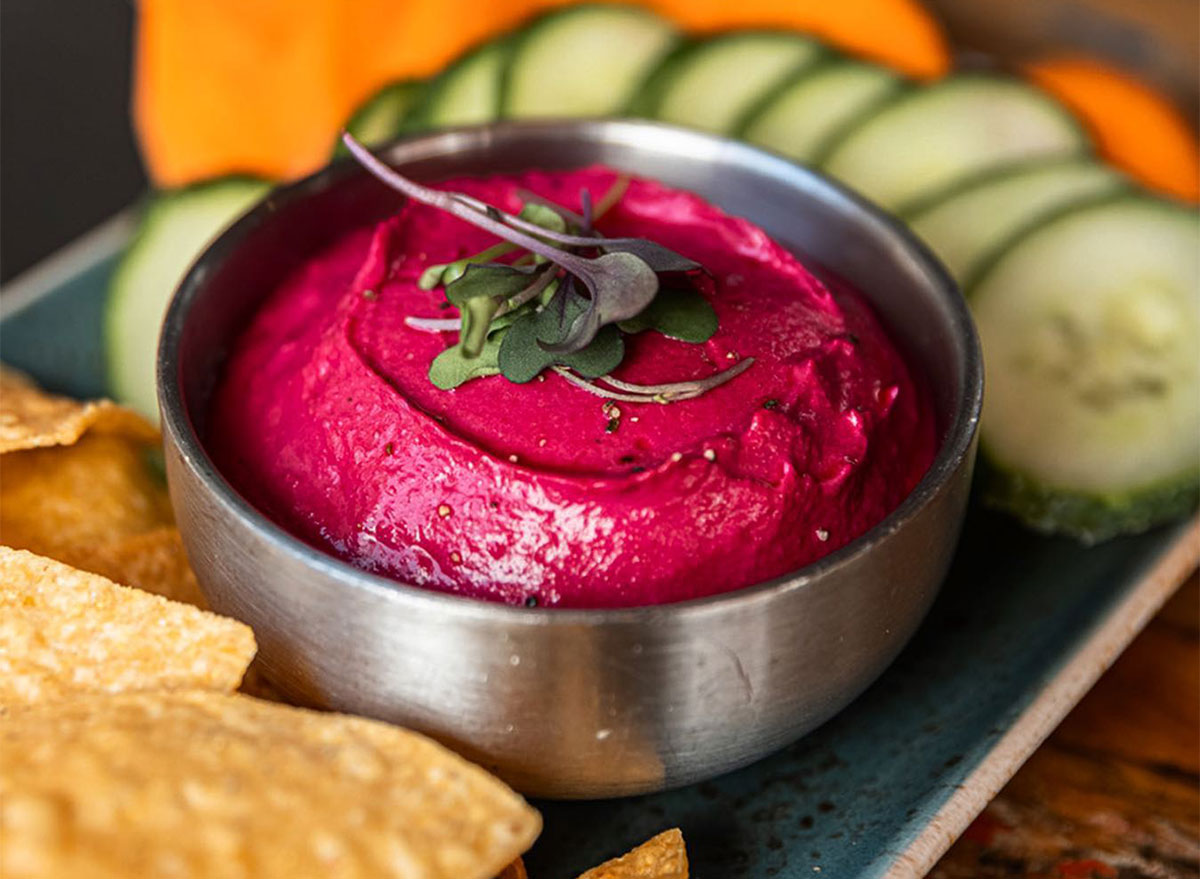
(602, 541)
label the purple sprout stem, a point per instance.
(464, 208)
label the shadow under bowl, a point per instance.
(578, 703)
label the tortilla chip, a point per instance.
(515, 870)
(59, 501)
(663, 857)
(154, 562)
(32, 419)
(64, 632)
(210, 785)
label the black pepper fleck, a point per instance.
(389, 449)
(613, 424)
(531, 601)
(626, 459)
(772, 403)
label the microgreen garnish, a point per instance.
(678, 313)
(452, 367)
(565, 303)
(522, 358)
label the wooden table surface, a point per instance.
(1114, 793)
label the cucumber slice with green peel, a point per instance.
(1090, 324)
(381, 117)
(465, 93)
(174, 228)
(965, 227)
(584, 61)
(801, 117)
(713, 84)
(926, 140)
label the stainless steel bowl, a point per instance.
(578, 703)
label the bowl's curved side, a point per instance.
(578, 703)
(631, 704)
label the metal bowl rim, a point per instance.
(955, 445)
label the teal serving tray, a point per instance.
(1023, 627)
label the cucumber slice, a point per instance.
(714, 84)
(465, 93)
(800, 118)
(1090, 323)
(381, 117)
(927, 140)
(966, 226)
(584, 61)
(174, 228)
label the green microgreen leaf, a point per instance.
(483, 291)
(491, 280)
(543, 215)
(477, 314)
(570, 218)
(522, 358)
(509, 318)
(452, 368)
(678, 313)
(445, 273)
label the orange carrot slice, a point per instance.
(225, 86)
(1136, 127)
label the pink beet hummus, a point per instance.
(540, 493)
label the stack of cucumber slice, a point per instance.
(1090, 323)
(1086, 291)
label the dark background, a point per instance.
(67, 154)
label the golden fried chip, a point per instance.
(206, 785)
(663, 857)
(32, 419)
(65, 632)
(515, 870)
(154, 562)
(57, 501)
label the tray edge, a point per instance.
(95, 245)
(1073, 680)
